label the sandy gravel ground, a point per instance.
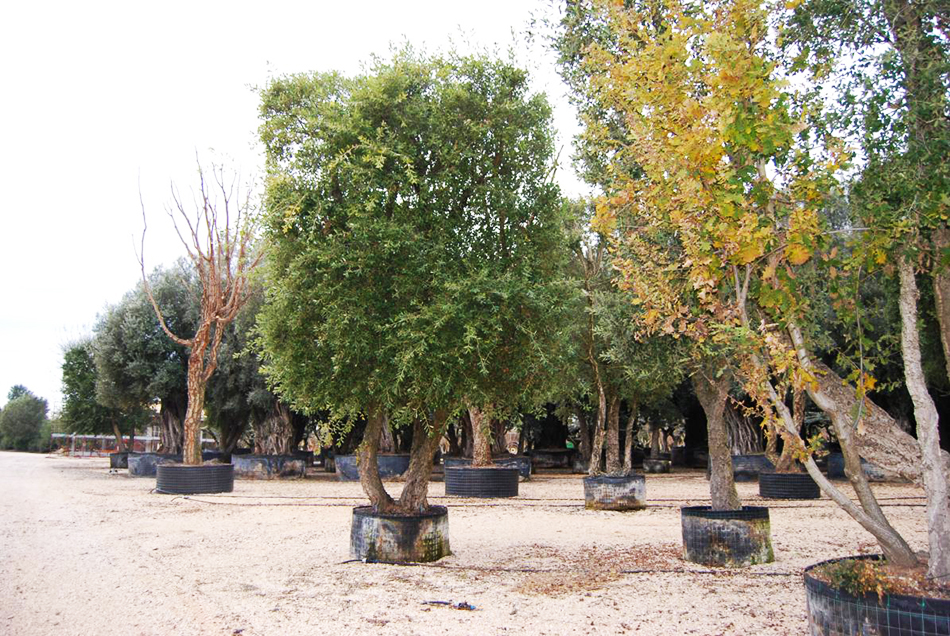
(85, 552)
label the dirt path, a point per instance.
(86, 552)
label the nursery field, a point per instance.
(83, 551)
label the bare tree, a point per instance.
(217, 235)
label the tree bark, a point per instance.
(628, 439)
(712, 393)
(369, 469)
(481, 449)
(170, 431)
(583, 434)
(654, 440)
(613, 437)
(119, 443)
(941, 282)
(425, 443)
(597, 443)
(928, 434)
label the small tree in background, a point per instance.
(82, 412)
(136, 364)
(22, 420)
(217, 236)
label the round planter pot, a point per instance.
(551, 457)
(835, 468)
(305, 455)
(679, 456)
(394, 538)
(210, 455)
(183, 479)
(486, 481)
(521, 462)
(145, 464)
(726, 538)
(119, 459)
(390, 466)
(747, 467)
(656, 465)
(268, 466)
(788, 486)
(623, 492)
(832, 611)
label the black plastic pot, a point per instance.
(306, 455)
(521, 462)
(486, 481)
(119, 459)
(621, 492)
(727, 538)
(390, 466)
(835, 468)
(145, 464)
(656, 465)
(747, 467)
(394, 538)
(788, 486)
(268, 466)
(183, 479)
(679, 456)
(209, 455)
(551, 457)
(834, 612)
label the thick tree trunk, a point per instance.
(481, 435)
(629, 437)
(197, 379)
(274, 435)
(712, 393)
(613, 437)
(425, 443)
(387, 443)
(928, 434)
(786, 462)
(369, 469)
(654, 440)
(170, 431)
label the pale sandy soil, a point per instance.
(86, 552)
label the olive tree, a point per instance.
(415, 246)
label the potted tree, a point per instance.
(219, 235)
(414, 254)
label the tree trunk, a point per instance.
(654, 440)
(369, 469)
(712, 393)
(499, 432)
(425, 443)
(941, 278)
(274, 435)
(481, 450)
(628, 439)
(170, 431)
(387, 443)
(119, 443)
(597, 443)
(847, 416)
(878, 438)
(928, 434)
(196, 394)
(613, 437)
(583, 433)
(786, 462)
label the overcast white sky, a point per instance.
(99, 96)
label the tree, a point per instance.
(22, 420)
(727, 209)
(136, 364)
(218, 238)
(82, 412)
(893, 98)
(415, 240)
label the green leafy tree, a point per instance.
(82, 412)
(137, 365)
(416, 242)
(22, 420)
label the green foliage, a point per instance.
(22, 421)
(82, 412)
(137, 363)
(416, 240)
